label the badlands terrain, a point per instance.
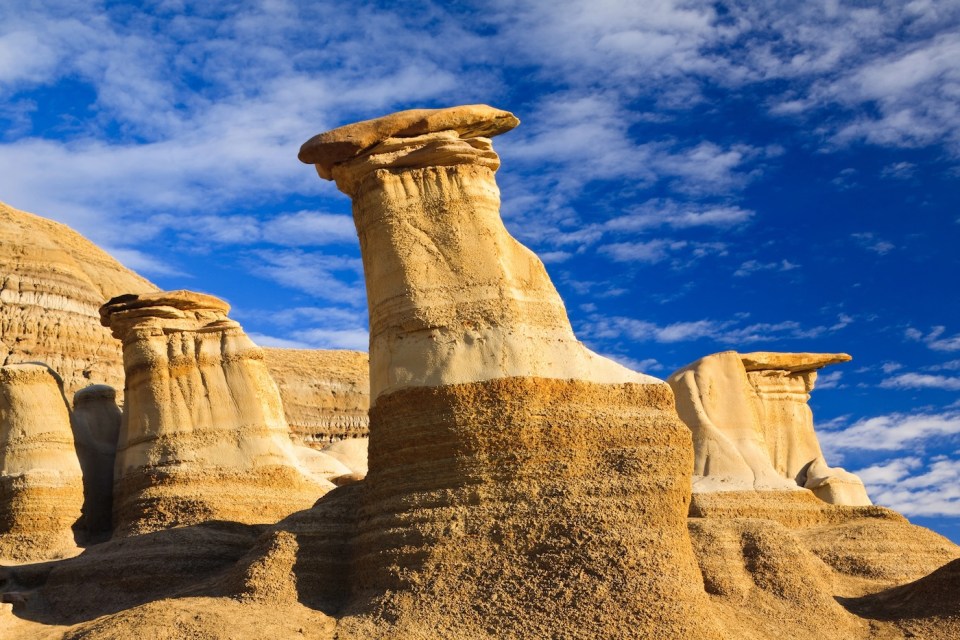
(482, 474)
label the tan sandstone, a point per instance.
(325, 393)
(41, 488)
(516, 479)
(753, 429)
(203, 435)
(52, 281)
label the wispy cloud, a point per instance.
(935, 338)
(893, 432)
(922, 381)
(727, 332)
(871, 242)
(916, 487)
(753, 266)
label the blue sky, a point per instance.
(697, 176)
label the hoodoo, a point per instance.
(203, 435)
(519, 485)
(753, 429)
(41, 488)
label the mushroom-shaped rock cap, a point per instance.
(338, 145)
(181, 299)
(764, 360)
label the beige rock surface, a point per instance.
(453, 298)
(203, 435)
(96, 429)
(52, 281)
(481, 515)
(41, 488)
(325, 393)
(753, 429)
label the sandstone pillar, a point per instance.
(203, 436)
(519, 485)
(41, 489)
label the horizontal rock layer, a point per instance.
(52, 281)
(41, 487)
(325, 393)
(510, 508)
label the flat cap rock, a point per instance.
(181, 299)
(338, 145)
(762, 360)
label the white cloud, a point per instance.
(893, 432)
(935, 338)
(830, 380)
(753, 266)
(727, 332)
(678, 215)
(649, 252)
(871, 242)
(921, 381)
(916, 487)
(327, 277)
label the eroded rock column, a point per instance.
(519, 485)
(41, 489)
(203, 435)
(753, 429)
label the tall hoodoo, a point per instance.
(203, 435)
(753, 429)
(519, 485)
(41, 488)
(453, 297)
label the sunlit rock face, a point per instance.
(52, 281)
(753, 429)
(325, 393)
(41, 488)
(516, 480)
(453, 297)
(203, 436)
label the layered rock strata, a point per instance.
(41, 488)
(753, 429)
(52, 281)
(96, 429)
(453, 297)
(519, 485)
(203, 435)
(325, 393)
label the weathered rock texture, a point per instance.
(519, 485)
(52, 281)
(96, 429)
(203, 434)
(41, 489)
(453, 298)
(325, 394)
(753, 429)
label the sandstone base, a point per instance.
(526, 508)
(154, 499)
(36, 518)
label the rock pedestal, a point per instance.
(753, 429)
(203, 435)
(41, 489)
(519, 485)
